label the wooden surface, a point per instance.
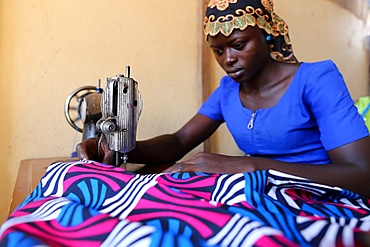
(29, 174)
(32, 170)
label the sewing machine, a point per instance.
(121, 108)
(111, 114)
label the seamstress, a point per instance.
(286, 115)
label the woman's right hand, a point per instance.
(88, 149)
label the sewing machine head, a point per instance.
(112, 114)
(121, 107)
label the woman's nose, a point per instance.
(230, 57)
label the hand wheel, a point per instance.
(72, 105)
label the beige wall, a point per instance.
(49, 48)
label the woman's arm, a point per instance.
(350, 167)
(158, 150)
(172, 147)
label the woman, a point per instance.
(292, 117)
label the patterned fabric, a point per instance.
(91, 204)
(223, 16)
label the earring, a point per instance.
(268, 37)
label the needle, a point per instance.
(125, 158)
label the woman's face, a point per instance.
(243, 54)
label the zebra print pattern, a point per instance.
(86, 203)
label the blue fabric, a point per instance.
(315, 114)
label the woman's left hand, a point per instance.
(213, 163)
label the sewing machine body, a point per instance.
(82, 110)
(112, 113)
(121, 106)
(90, 114)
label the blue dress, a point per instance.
(316, 114)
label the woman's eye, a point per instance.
(239, 45)
(217, 51)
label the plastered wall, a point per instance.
(50, 48)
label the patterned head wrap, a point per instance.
(223, 16)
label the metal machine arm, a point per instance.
(121, 106)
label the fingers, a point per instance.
(81, 151)
(88, 149)
(109, 158)
(178, 167)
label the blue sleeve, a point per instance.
(331, 104)
(212, 106)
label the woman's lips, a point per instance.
(235, 73)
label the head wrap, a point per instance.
(224, 16)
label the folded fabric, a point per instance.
(86, 203)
